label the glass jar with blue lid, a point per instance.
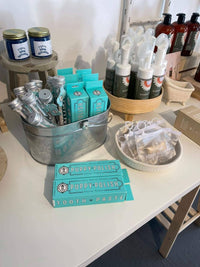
(16, 44)
(40, 42)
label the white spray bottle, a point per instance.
(145, 72)
(159, 66)
(122, 73)
(110, 69)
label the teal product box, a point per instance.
(71, 78)
(90, 77)
(88, 190)
(79, 169)
(77, 105)
(98, 99)
(84, 71)
(76, 85)
(63, 72)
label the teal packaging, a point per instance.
(71, 78)
(77, 105)
(79, 169)
(87, 189)
(98, 99)
(84, 71)
(63, 72)
(90, 77)
(76, 85)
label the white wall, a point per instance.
(79, 28)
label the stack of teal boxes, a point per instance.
(85, 94)
(86, 183)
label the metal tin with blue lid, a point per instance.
(16, 44)
(40, 42)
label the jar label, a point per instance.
(21, 50)
(42, 48)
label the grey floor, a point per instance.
(141, 249)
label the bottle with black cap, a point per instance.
(167, 28)
(180, 33)
(192, 35)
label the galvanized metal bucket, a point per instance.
(65, 143)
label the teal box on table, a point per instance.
(77, 105)
(98, 99)
(92, 168)
(92, 183)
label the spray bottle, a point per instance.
(159, 65)
(110, 69)
(134, 61)
(145, 72)
(122, 73)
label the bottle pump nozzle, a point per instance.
(194, 17)
(167, 19)
(181, 18)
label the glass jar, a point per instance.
(16, 44)
(40, 42)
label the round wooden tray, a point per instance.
(129, 107)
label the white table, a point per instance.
(33, 233)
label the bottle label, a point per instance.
(121, 84)
(143, 88)
(170, 36)
(109, 81)
(131, 89)
(191, 40)
(156, 86)
(42, 48)
(179, 42)
(21, 50)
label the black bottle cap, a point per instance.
(194, 17)
(181, 18)
(167, 19)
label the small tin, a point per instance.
(40, 42)
(16, 44)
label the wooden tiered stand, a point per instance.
(18, 71)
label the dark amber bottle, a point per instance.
(167, 28)
(192, 35)
(180, 33)
(197, 74)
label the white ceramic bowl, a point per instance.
(144, 166)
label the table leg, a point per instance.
(128, 117)
(43, 77)
(177, 222)
(21, 79)
(52, 72)
(197, 222)
(11, 85)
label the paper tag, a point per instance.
(42, 48)
(21, 50)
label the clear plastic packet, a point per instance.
(150, 142)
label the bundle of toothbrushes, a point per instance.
(67, 98)
(136, 66)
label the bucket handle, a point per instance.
(85, 124)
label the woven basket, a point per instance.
(176, 91)
(129, 107)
